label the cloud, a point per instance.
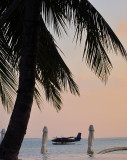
(122, 29)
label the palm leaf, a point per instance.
(5, 13)
(7, 77)
(100, 38)
(37, 95)
(52, 85)
(12, 30)
(52, 72)
(54, 15)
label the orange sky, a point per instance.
(103, 106)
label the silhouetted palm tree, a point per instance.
(27, 46)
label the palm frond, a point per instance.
(12, 29)
(37, 95)
(6, 13)
(88, 23)
(100, 38)
(54, 15)
(8, 53)
(12, 33)
(52, 93)
(52, 72)
(8, 84)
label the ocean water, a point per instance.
(30, 150)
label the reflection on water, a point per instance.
(45, 156)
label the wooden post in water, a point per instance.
(44, 140)
(90, 140)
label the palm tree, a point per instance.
(27, 46)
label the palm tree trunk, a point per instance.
(17, 127)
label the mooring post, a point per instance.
(44, 140)
(90, 140)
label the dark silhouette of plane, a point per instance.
(67, 140)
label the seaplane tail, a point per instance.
(78, 138)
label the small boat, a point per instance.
(66, 140)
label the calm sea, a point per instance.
(30, 150)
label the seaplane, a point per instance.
(66, 140)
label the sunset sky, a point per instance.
(104, 106)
